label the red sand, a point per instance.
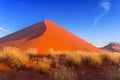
(46, 35)
(4, 67)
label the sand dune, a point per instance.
(44, 36)
(113, 47)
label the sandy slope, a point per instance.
(113, 47)
(46, 35)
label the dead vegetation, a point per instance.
(60, 65)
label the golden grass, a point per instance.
(73, 58)
(31, 52)
(17, 59)
(89, 58)
(13, 57)
(92, 59)
(77, 58)
(43, 65)
(113, 58)
(58, 64)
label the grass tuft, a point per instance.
(13, 57)
(63, 73)
(43, 66)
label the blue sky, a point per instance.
(96, 21)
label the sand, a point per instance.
(44, 36)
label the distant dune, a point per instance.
(113, 47)
(44, 36)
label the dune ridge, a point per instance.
(44, 36)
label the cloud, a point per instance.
(2, 29)
(105, 4)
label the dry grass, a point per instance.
(77, 58)
(59, 64)
(43, 65)
(73, 58)
(113, 58)
(31, 52)
(63, 73)
(13, 57)
(92, 59)
(17, 59)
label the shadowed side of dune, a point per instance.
(113, 47)
(29, 33)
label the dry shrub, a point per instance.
(54, 54)
(63, 74)
(76, 58)
(16, 59)
(110, 57)
(43, 65)
(66, 58)
(31, 52)
(13, 57)
(73, 58)
(55, 63)
(92, 59)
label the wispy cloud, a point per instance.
(2, 29)
(105, 4)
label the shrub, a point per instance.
(110, 57)
(73, 58)
(63, 74)
(31, 52)
(43, 65)
(93, 60)
(55, 63)
(13, 58)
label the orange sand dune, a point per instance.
(46, 35)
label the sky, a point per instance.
(96, 21)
